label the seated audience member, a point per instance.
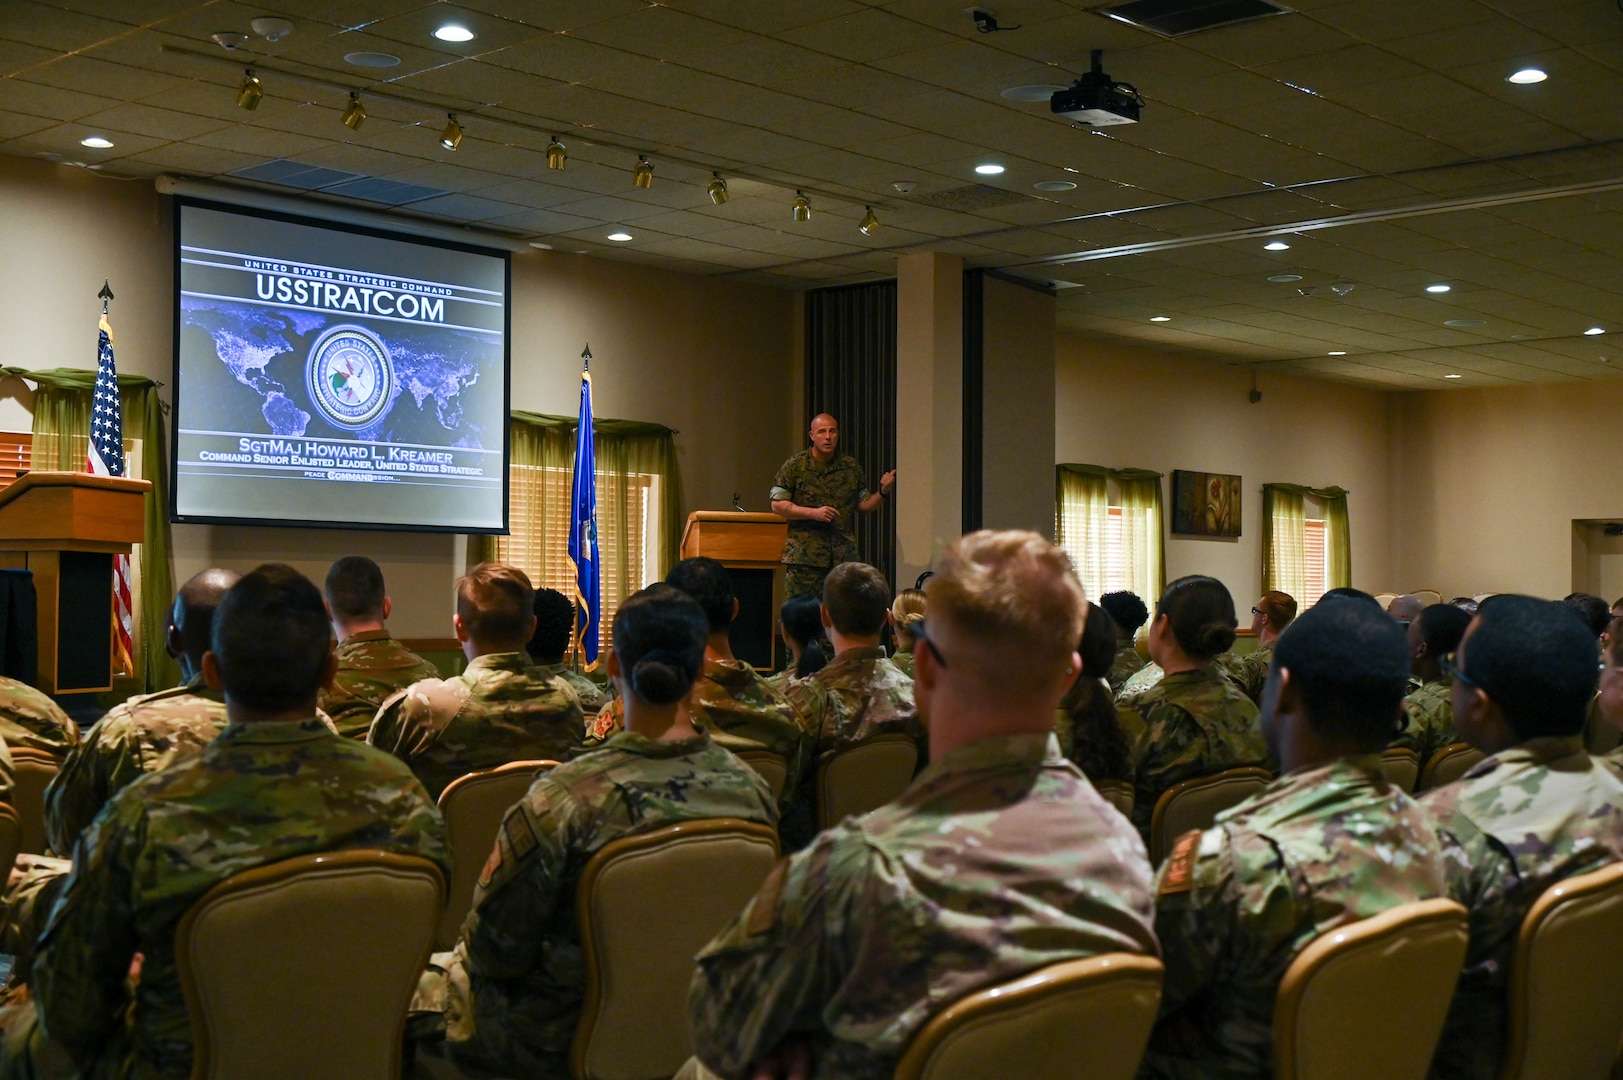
(1428, 718)
(28, 717)
(1406, 608)
(511, 991)
(1537, 810)
(554, 630)
(1270, 615)
(147, 732)
(1086, 723)
(1128, 612)
(1194, 721)
(1466, 604)
(1609, 701)
(1328, 843)
(800, 624)
(840, 958)
(502, 708)
(1591, 610)
(276, 784)
(371, 664)
(907, 611)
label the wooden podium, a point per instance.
(66, 527)
(750, 546)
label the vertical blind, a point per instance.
(851, 375)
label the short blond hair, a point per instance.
(907, 610)
(1015, 598)
(496, 603)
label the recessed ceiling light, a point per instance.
(96, 142)
(1595, 331)
(543, 245)
(1033, 92)
(1461, 324)
(989, 169)
(1338, 352)
(453, 32)
(1276, 245)
(1527, 76)
(1054, 185)
(1284, 279)
(620, 237)
(1160, 318)
(372, 59)
(1067, 168)
(1439, 288)
(1452, 376)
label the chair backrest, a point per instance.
(11, 834)
(1369, 999)
(35, 771)
(1385, 598)
(645, 906)
(474, 806)
(1195, 803)
(1565, 1000)
(1078, 1020)
(1447, 764)
(1119, 793)
(768, 766)
(1401, 766)
(1428, 596)
(306, 967)
(859, 778)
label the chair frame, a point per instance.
(1015, 994)
(33, 756)
(1577, 887)
(8, 813)
(750, 755)
(1429, 774)
(467, 779)
(1389, 923)
(592, 999)
(1106, 787)
(1392, 753)
(1158, 815)
(827, 758)
(273, 874)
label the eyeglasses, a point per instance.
(1258, 611)
(1451, 668)
(920, 633)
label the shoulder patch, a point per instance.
(492, 864)
(520, 837)
(764, 912)
(1179, 875)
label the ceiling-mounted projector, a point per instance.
(1097, 99)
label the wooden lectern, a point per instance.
(66, 527)
(750, 546)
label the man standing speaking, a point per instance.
(820, 491)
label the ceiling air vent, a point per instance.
(334, 182)
(1174, 18)
(970, 198)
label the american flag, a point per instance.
(107, 459)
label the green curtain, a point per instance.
(61, 441)
(1143, 523)
(1284, 539)
(1081, 518)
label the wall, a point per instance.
(1017, 486)
(1121, 407)
(711, 357)
(1493, 480)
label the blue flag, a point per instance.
(583, 530)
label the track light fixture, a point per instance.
(716, 189)
(643, 174)
(557, 155)
(451, 137)
(251, 90)
(801, 207)
(355, 112)
(869, 224)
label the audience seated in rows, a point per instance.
(30, 718)
(907, 611)
(843, 955)
(1128, 612)
(800, 625)
(509, 995)
(1428, 717)
(1086, 720)
(555, 618)
(105, 997)
(371, 664)
(1270, 615)
(502, 708)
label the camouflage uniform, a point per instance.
(742, 711)
(511, 991)
(502, 708)
(1126, 664)
(1193, 723)
(592, 696)
(1233, 668)
(904, 662)
(1428, 719)
(259, 793)
(1319, 848)
(1000, 858)
(30, 718)
(136, 737)
(1251, 671)
(813, 548)
(371, 666)
(1523, 819)
(1145, 678)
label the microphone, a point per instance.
(738, 505)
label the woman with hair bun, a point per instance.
(658, 771)
(906, 613)
(1194, 721)
(800, 623)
